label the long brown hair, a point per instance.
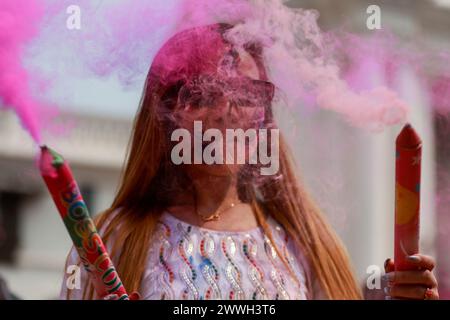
(149, 177)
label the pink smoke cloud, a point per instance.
(19, 24)
(121, 39)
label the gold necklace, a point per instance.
(216, 215)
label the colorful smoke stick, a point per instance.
(87, 241)
(407, 196)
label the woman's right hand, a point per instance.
(133, 296)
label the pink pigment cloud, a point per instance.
(19, 24)
(122, 38)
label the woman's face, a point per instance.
(222, 103)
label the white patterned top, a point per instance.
(190, 262)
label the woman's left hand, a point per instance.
(418, 283)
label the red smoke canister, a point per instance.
(407, 196)
(86, 240)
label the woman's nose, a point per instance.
(233, 113)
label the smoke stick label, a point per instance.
(86, 239)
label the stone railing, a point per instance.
(86, 141)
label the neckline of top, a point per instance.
(170, 217)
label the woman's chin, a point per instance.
(217, 170)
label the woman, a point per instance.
(221, 231)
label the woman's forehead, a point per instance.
(247, 65)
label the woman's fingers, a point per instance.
(389, 265)
(411, 292)
(422, 261)
(135, 296)
(417, 283)
(422, 277)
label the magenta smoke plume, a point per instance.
(120, 38)
(19, 24)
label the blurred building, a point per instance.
(360, 201)
(349, 172)
(34, 241)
